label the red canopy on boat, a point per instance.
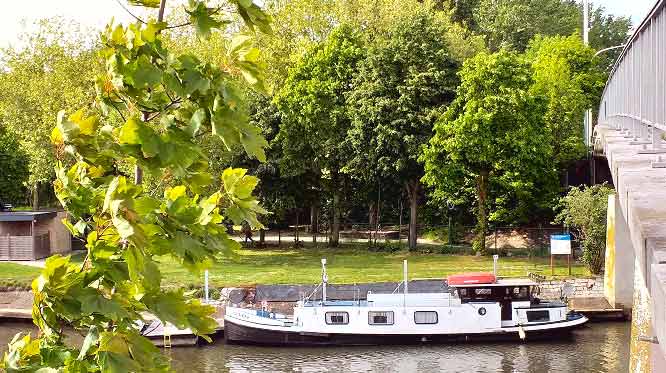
(471, 279)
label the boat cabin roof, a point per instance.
(500, 283)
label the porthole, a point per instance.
(482, 311)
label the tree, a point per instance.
(568, 75)
(300, 24)
(406, 79)
(607, 31)
(491, 133)
(584, 210)
(14, 166)
(166, 101)
(513, 23)
(54, 69)
(315, 119)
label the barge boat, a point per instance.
(477, 307)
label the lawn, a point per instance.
(345, 265)
(16, 274)
(349, 265)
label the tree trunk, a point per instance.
(296, 233)
(314, 221)
(413, 188)
(262, 237)
(335, 227)
(372, 216)
(482, 215)
(35, 196)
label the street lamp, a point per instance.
(609, 48)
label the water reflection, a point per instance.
(596, 348)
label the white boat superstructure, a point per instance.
(502, 309)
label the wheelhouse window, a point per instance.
(494, 294)
(380, 317)
(521, 293)
(425, 317)
(538, 316)
(337, 318)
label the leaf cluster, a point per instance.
(165, 101)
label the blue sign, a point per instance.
(560, 244)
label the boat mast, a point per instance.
(406, 284)
(324, 280)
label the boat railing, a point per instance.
(355, 294)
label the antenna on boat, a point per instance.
(495, 258)
(324, 280)
(406, 287)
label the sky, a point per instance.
(17, 16)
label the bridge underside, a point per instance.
(636, 247)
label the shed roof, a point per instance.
(6, 216)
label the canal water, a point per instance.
(599, 347)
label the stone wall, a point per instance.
(583, 288)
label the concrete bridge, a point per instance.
(630, 133)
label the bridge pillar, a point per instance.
(620, 259)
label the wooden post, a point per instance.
(32, 236)
(552, 269)
(569, 263)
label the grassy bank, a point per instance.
(349, 265)
(17, 275)
(345, 265)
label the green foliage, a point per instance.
(54, 69)
(584, 210)
(14, 166)
(513, 23)
(407, 78)
(491, 138)
(300, 24)
(568, 75)
(315, 119)
(165, 101)
(607, 30)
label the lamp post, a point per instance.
(600, 51)
(587, 121)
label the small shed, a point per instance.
(31, 235)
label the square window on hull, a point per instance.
(337, 318)
(380, 317)
(425, 317)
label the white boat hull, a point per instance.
(238, 330)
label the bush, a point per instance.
(455, 250)
(386, 247)
(584, 211)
